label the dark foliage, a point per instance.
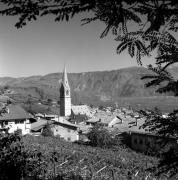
(169, 163)
(160, 125)
(15, 161)
(167, 128)
(47, 131)
(100, 137)
(154, 32)
(156, 22)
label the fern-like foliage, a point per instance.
(159, 76)
(32, 9)
(114, 15)
(134, 44)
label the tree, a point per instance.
(99, 136)
(155, 30)
(16, 161)
(166, 127)
(155, 26)
(47, 130)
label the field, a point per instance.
(70, 158)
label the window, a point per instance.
(19, 122)
(68, 130)
(135, 141)
(141, 141)
(148, 144)
(68, 138)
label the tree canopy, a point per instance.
(140, 27)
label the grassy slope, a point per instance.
(122, 161)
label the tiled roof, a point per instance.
(15, 112)
(66, 123)
(39, 124)
(42, 122)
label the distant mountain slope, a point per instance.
(88, 87)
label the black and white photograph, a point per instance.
(88, 90)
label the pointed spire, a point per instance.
(65, 78)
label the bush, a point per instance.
(18, 132)
(99, 136)
(47, 131)
(16, 162)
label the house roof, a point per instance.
(15, 112)
(39, 124)
(66, 123)
(84, 128)
(42, 122)
(93, 120)
(105, 118)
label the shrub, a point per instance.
(47, 131)
(99, 136)
(18, 132)
(16, 162)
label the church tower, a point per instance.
(65, 98)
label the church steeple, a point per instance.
(65, 79)
(65, 99)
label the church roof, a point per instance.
(65, 79)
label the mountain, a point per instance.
(88, 87)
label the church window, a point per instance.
(67, 92)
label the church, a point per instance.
(66, 108)
(65, 96)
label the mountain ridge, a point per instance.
(86, 87)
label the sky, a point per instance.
(44, 46)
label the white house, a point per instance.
(16, 118)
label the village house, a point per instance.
(76, 119)
(150, 143)
(105, 119)
(38, 126)
(82, 110)
(93, 121)
(62, 128)
(16, 118)
(66, 130)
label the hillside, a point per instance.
(89, 87)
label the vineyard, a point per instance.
(72, 161)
